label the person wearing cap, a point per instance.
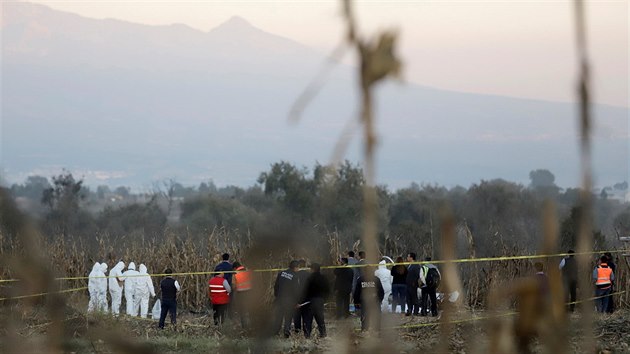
(317, 290)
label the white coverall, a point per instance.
(115, 286)
(130, 287)
(144, 288)
(102, 289)
(385, 276)
(93, 287)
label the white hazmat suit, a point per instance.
(144, 289)
(129, 277)
(116, 286)
(93, 287)
(102, 289)
(385, 276)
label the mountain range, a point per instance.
(130, 104)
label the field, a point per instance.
(195, 333)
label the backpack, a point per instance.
(432, 278)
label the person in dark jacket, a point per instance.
(357, 270)
(302, 276)
(368, 296)
(399, 285)
(413, 278)
(343, 287)
(170, 287)
(317, 290)
(568, 267)
(225, 266)
(286, 295)
(428, 290)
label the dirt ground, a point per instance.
(195, 333)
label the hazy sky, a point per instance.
(514, 48)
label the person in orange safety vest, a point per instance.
(604, 277)
(219, 291)
(242, 281)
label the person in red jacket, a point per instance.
(219, 291)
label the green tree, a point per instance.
(290, 186)
(63, 199)
(622, 222)
(543, 182)
(205, 213)
(569, 230)
(146, 218)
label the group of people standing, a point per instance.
(134, 285)
(229, 291)
(603, 278)
(300, 292)
(413, 287)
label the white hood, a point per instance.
(120, 266)
(143, 269)
(104, 267)
(132, 266)
(382, 265)
(96, 267)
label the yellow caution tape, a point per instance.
(461, 260)
(42, 294)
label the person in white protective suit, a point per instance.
(130, 278)
(144, 288)
(116, 286)
(93, 287)
(102, 288)
(385, 276)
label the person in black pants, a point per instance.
(413, 277)
(170, 287)
(613, 266)
(429, 287)
(399, 285)
(317, 290)
(285, 290)
(343, 288)
(302, 276)
(368, 296)
(568, 267)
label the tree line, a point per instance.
(499, 214)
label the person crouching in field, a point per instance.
(170, 287)
(219, 291)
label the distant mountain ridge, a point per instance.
(137, 103)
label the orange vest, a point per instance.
(603, 275)
(218, 293)
(242, 279)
